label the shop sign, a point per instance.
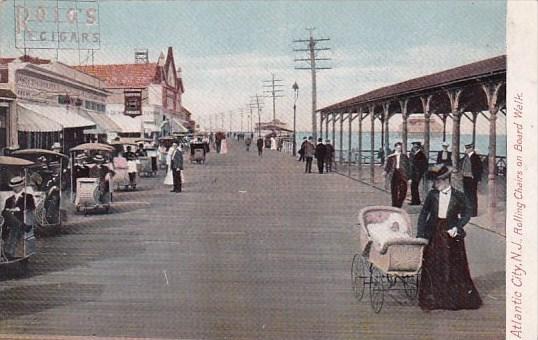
(53, 24)
(133, 103)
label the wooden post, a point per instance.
(454, 97)
(492, 91)
(475, 117)
(403, 107)
(341, 153)
(426, 102)
(327, 127)
(320, 125)
(444, 127)
(386, 118)
(350, 120)
(371, 108)
(334, 132)
(360, 139)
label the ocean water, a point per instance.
(481, 144)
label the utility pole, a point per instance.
(313, 67)
(241, 113)
(231, 113)
(222, 120)
(258, 104)
(274, 91)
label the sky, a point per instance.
(227, 49)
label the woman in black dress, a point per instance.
(446, 281)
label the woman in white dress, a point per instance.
(273, 143)
(168, 179)
(223, 146)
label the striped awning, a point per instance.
(29, 121)
(66, 117)
(104, 124)
(126, 123)
(177, 126)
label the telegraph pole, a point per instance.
(241, 113)
(231, 113)
(274, 91)
(311, 60)
(258, 104)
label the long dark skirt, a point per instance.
(446, 281)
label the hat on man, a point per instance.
(445, 144)
(320, 140)
(99, 158)
(397, 143)
(80, 157)
(304, 138)
(328, 141)
(469, 146)
(56, 146)
(16, 181)
(439, 171)
(310, 138)
(417, 143)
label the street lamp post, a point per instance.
(295, 88)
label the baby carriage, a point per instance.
(390, 256)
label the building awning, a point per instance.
(29, 121)
(126, 123)
(150, 127)
(104, 124)
(178, 126)
(7, 94)
(67, 117)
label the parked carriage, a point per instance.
(390, 258)
(93, 192)
(26, 244)
(48, 181)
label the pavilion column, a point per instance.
(360, 139)
(386, 118)
(349, 133)
(327, 127)
(320, 125)
(475, 117)
(403, 107)
(426, 102)
(492, 91)
(372, 142)
(341, 153)
(334, 131)
(444, 118)
(454, 97)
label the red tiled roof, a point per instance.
(124, 75)
(492, 66)
(25, 59)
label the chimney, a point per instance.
(141, 56)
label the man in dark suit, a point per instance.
(177, 166)
(419, 165)
(330, 155)
(301, 150)
(397, 170)
(321, 155)
(444, 156)
(471, 169)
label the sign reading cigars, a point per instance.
(52, 24)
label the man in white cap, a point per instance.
(56, 147)
(444, 156)
(471, 169)
(18, 214)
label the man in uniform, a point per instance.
(397, 171)
(177, 167)
(131, 164)
(419, 166)
(18, 215)
(471, 168)
(321, 155)
(444, 156)
(330, 155)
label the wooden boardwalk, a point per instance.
(253, 249)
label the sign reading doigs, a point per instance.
(57, 24)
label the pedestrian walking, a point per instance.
(177, 168)
(329, 159)
(321, 155)
(309, 150)
(419, 166)
(248, 141)
(471, 168)
(397, 171)
(259, 144)
(445, 282)
(444, 156)
(301, 150)
(131, 166)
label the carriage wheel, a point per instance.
(377, 290)
(411, 284)
(359, 276)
